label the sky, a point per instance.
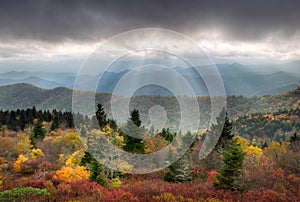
(55, 35)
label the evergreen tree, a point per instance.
(12, 123)
(68, 117)
(230, 176)
(101, 116)
(22, 120)
(180, 171)
(47, 116)
(96, 173)
(38, 132)
(86, 159)
(167, 135)
(134, 130)
(113, 124)
(223, 126)
(295, 138)
(29, 115)
(226, 135)
(55, 123)
(94, 167)
(135, 118)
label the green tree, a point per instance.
(112, 123)
(226, 135)
(222, 129)
(180, 171)
(38, 132)
(295, 138)
(55, 123)
(135, 118)
(95, 168)
(96, 172)
(86, 159)
(167, 135)
(230, 176)
(134, 130)
(101, 116)
(69, 121)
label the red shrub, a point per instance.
(145, 190)
(80, 189)
(48, 175)
(55, 182)
(45, 166)
(36, 184)
(29, 167)
(119, 195)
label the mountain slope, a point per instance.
(22, 95)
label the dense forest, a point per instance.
(278, 126)
(263, 127)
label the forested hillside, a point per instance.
(22, 96)
(266, 127)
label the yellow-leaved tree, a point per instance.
(253, 153)
(36, 153)
(277, 151)
(18, 163)
(100, 144)
(24, 145)
(65, 145)
(75, 158)
(67, 174)
(154, 144)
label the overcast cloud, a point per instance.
(219, 25)
(55, 20)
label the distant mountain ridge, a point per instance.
(238, 79)
(22, 96)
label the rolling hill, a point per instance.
(22, 96)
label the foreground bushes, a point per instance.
(150, 190)
(158, 190)
(24, 194)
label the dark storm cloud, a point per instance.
(58, 20)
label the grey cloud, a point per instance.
(59, 20)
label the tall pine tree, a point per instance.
(221, 129)
(101, 116)
(134, 130)
(230, 176)
(180, 171)
(38, 132)
(55, 123)
(94, 167)
(226, 135)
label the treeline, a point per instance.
(264, 127)
(19, 119)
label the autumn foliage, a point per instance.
(68, 174)
(59, 167)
